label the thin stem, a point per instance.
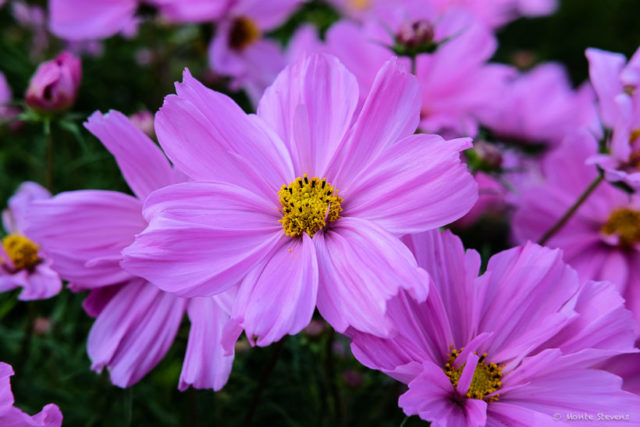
(331, 374)
(569, 213)
(27, 337)
(264, 379)
(49, 148)
(414, 64)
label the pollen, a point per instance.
(360, 4)
(626, 224)
(308, 205)
(487, 377)
(243, 32)
(22, 251)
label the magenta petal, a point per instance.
(205, 364)
(417, 184)
(361, 267)
(134, 331)
(142, 163)
(41, 284)
(290, 274)
(90, 20)
(267, 14)
(209, 138)
(80, 227)
(604, 71)
(391, 112)
(310, 118)
(13, 218)
(202, 238)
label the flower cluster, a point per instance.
(315, 174)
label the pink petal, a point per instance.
(90, 20)
(203, 238)
(205, 365)
(291, 275)
(13, 218)
(309, 116)
(417, 184)
(142, 163)
(134, 331)
(361, 267)
(391, 112)
(267, 14)
(604, 71)
(41, 284)
(208, 137)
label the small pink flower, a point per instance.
(50, 416)
(512, 347)
(302, 203)
(23, 263)
(54, 86)
(6, 111)
(136, 323)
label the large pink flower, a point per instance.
(515, 346)
(239, 49)
(10, 416)
(602, 239)
(301, 203)
(23, 263)
(136, 323)
(617, 85)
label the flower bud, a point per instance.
(143, 120)
(54, 86)
(415, 36)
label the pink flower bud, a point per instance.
(415, 34)
(54, 86)
(143, 120)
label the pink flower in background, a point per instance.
(34, 19)
(143, 120)
(541, 107)
(23, 264)
(240, 50)
(456, 82)
(6, 111)
(54, 86)
(496, 13)
(616, 84)
(192, 10)
(136, 323)
(512, 347)
(301, 203)
(602, 239)
(10, 416)
(491, 200)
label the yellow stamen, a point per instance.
(243, 32)
(360, 4)
(22, 251)
(308, 205)
(487, 377)
(626, 224)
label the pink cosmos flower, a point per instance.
(240, 51)
(541, 107)
(512, 347)
(50, 416)
(54, 86)
(299, 204)
(99, 19)
(23, 264)
(496, 13)
(616, 83)
(136, 323)
(602, 239)
(456, 82)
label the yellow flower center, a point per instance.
(308, 205)
(487, 377)
(243, 32)
(626, 224)
(360, 4)
(22, 251)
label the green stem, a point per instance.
(572, 209)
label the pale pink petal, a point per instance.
(41, 284)
(13, 218)
(361, 267)
(267, 14)
(203, 238)
(604, 71)
(190, 11)
(89, 20)
(417, 184)
(311, 118)
(140, 160)
(291, 275)
(98, 299)
(134, 331)
(205, 364)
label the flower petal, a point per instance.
(142, 163)
(90, 20)
(418, 184)
(361, 267)
(290, 274)
(604, 71)
(202, 238)
(310, 106)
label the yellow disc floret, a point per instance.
(243, 33)
(22, 251)
(308, 205)
(626, 224)
(487, 377)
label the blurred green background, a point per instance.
(315, 381)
